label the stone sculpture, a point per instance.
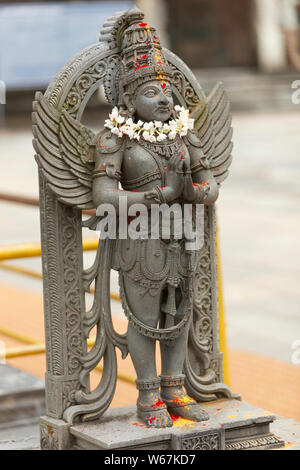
(154, 152)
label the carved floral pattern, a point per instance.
(265, 442)
(71, 288)
(51, 284)
(85, 82)
(185, 89)
(206, 442)
(49, 437)
(68, 393)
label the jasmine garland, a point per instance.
(153, 131)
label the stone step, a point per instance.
(22, 396)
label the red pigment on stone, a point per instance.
(174, 417)
(158, 403)
(151, 419)
(143, 24)
(141, 66)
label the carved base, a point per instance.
(232, 425)
(54, 434)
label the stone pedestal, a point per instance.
(232, 425)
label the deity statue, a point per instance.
(163, 144)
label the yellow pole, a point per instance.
(37, 275)
(20, 270)
(34, 349)
(26, 250)
(23, 250)
(222, 323)
(17, 336)
(23, 351)
(90, 244)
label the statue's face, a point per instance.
(153, 101)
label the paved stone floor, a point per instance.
(258, 218)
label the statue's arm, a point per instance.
(205, 187)
(106, 177)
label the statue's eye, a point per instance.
(150, 93)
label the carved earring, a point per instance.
(132, 111)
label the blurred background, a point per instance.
(252, 46)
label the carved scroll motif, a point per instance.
(49, 438)
(208, 442)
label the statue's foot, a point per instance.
(192, 412)
(156, 418)
(180, 404)
(152, 410)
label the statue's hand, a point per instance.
(174, 178)
(189, 192)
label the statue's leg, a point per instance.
(145, 308)
(172, 379)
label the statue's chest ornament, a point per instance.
(164, 149)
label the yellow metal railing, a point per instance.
(29, 250)
(39, 348)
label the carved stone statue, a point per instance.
(164, 143)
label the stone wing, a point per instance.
(64, 152)
(213, 127)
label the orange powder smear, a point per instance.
(179, 422)
(183, 400)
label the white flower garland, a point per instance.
(152, 131)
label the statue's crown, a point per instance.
(141, 55)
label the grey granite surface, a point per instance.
(120, 427)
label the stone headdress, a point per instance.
(141, 57)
